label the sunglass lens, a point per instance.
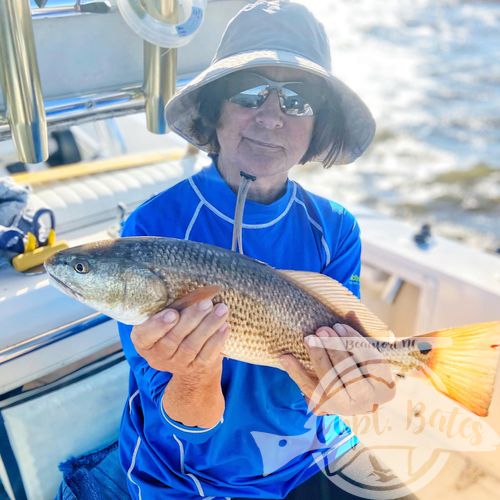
(250, 98)
(294, 97)
(295, 104)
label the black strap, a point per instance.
(10, 463)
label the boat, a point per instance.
(63, 377)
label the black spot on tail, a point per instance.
(424, 347)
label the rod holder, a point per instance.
(160, 69)
(20, 80)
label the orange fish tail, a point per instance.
(463, 364)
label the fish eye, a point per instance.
(81, 267)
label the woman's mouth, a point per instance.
(263, 144)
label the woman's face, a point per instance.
(264, 142)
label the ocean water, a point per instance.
(429, 70)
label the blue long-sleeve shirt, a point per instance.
(266, 443)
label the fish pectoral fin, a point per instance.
(341, 301)
(201, 293)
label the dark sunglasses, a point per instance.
(251, 90)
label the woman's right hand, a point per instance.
(186, 343)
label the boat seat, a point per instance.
(96, 198)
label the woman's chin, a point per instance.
(264, 164)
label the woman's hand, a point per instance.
(188, 344)
(351, 376)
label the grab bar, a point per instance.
(160, 69)
(20, 81)
(97, 106)
(50, 337)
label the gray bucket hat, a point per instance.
(276, 33)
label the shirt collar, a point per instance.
(216, 194)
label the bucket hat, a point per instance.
(284, 34)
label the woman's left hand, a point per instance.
(351, 376)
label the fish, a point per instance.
(270, 310)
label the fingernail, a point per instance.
(322, 333)
(169, 316)
(220, 309)
(204, 305)
(340, 329)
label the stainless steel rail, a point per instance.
(74, 110)
(159, 84)
(62, 113)
(160, 68)
(20, 81)
(50, 337)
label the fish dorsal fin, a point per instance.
(341, 301)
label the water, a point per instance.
(429, 70)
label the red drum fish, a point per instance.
(271, 311)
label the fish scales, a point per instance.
(269, 316)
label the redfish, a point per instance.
(271, 311)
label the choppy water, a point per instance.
(430, 72)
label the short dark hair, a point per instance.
(328, 132)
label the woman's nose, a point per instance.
(269, 115)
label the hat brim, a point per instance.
(359, 123)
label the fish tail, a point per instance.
(463, 362)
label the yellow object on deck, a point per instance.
(81, 169)
(31, 242)
(36, 257)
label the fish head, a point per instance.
(109, 281)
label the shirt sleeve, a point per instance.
(345, 265)
(151, 382)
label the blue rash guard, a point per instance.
(267, 442)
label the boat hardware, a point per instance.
(34, 256)
(153, 20)
(20, 80)
(51, 336)
(62, 113)
(93, 7)
(423, 237)
(71, 7)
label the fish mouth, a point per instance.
(65, 288)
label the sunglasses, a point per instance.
(250, 90)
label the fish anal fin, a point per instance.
(201, 293)
(341, 301)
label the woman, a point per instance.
(194, 422)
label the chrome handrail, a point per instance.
(20, 80)
(61, 113)
(50, 337)
(160, 69)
